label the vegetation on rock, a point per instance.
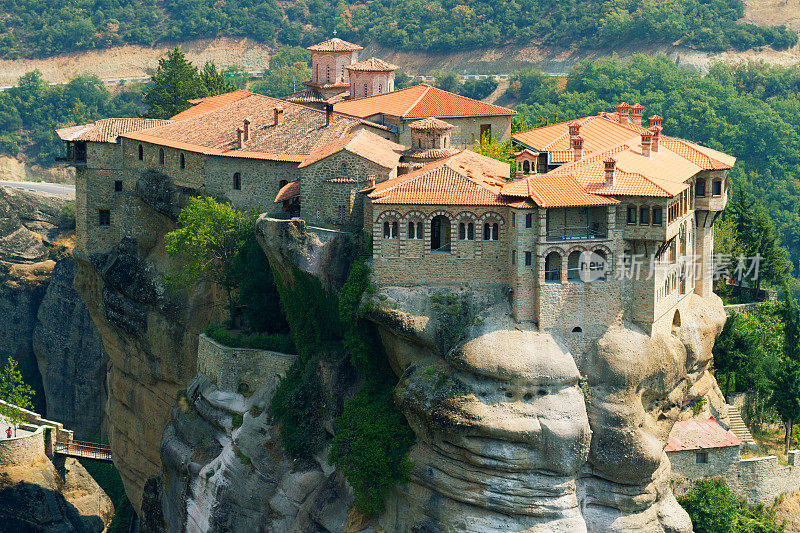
(15, 392)
(713, 508)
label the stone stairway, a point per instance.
(739, 428)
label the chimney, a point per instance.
(328, 114)
(577, 147)
(636, 114)
(647, 139)
(610, 164)
(656, 137)
(622, 113)
(239, 138)
(278, 115)
(574, 128)
(655, 120)
(371, 181)
(246, 130)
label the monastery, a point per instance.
(564, 233)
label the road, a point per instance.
(40, 186)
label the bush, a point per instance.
(66, 218)
(279, 342)
(715, 509)
(299, 404)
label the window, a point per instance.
(282, 184)
(528, 258)
(440, 234)
(513, 257)
(577, 329)
(343, 170)
(716, 188)
(631, 214)
(470, 231)
(552, 267)
(644, 216)
(574, 267)
(366, 91)
(390, 230)
(462, 231)
(529, 220)
(491, 231)
(183, 161)
(380, 88)
(237, 181)
(486, 130)
(656, 216)
(526, 167)
(513, 220)
(701, 458)
(415, 230)
(141, 153)
(328, 74)
(342, 72)
(117, 185)
(700, 188)
(104, 217)
(160, 156)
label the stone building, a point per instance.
(702, 449)
(330, 79)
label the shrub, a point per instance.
(278, 342)
(299, 404)
(66, 218)
(715, 509)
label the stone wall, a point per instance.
(31, 418)
(467, 130)
(240, 369)
(22, 450)
(758, 480)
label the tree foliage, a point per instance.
(713, 508)
(15, 392)
(785, 376)
(287, 72)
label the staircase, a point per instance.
(739, 428)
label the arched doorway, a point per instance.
(440, 234)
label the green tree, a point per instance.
(215, 81)
(478, 89)
(448, 81)
(209, 237)
(734, 350)
(175, 82)
(15, 392)
(500, 150)
(785, 377)
(713, 508)
(281, 80)
(401, 80)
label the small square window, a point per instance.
(528, 258)
(716, 188)
(117, 185)
(701, 458)
(104, 217)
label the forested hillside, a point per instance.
(43, 27)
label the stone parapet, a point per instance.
(23, 450)
(240, 369)
(34, 419)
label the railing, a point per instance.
(579, 233)
(86, 450)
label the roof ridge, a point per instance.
(412, 106)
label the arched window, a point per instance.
(552, 267)
(343, 169)
(676, 319)
(440, 234)
(415, 230)
(577, 329)
(141, 153)
(390, 229)
(526, 167)
(462, 231)
(574, 267)
(160, 156)
(700, 188)
(183, 160)
(237, 181)
(470, 231)
(491, 231)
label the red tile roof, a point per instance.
(373, 64)
(204, 105)
(550, 190)
(466, 178)
(700, 435)
(362, 143)
(419, 101)
(334, 45)
(107, 129)
(430, 124)
(288, 191)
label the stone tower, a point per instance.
(430, 133)
(329, 62)
(370, 77)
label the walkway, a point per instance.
(739, 428)
(84, 450)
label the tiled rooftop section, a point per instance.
(430, 153)
(373, 64)
(288, 191)
(700, 435)
(362, 143)
(549, 190)
(300, 131)
(420, 101)
(107, 129)
(430, 124)
(311, 95)
(334, 45)
(204, 105)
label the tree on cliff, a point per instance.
(206, 244)
(735, 350)
(785, 377)
(15, 392)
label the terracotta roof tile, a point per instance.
(420, 101)
(334, 45)
(204, 105)
(700, 435)
(553, 190)
(311, 95)
(288, 191)
(373, 64)
(107, 129)
(362, 143)
(466, 178)
(430, 124)
(430, 153)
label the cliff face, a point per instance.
(43, 322)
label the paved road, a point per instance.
(40, 186)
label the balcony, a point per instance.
(76, 154)
(577, 224)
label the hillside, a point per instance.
(432, 26)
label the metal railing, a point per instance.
(87, 450)
(577, 233)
